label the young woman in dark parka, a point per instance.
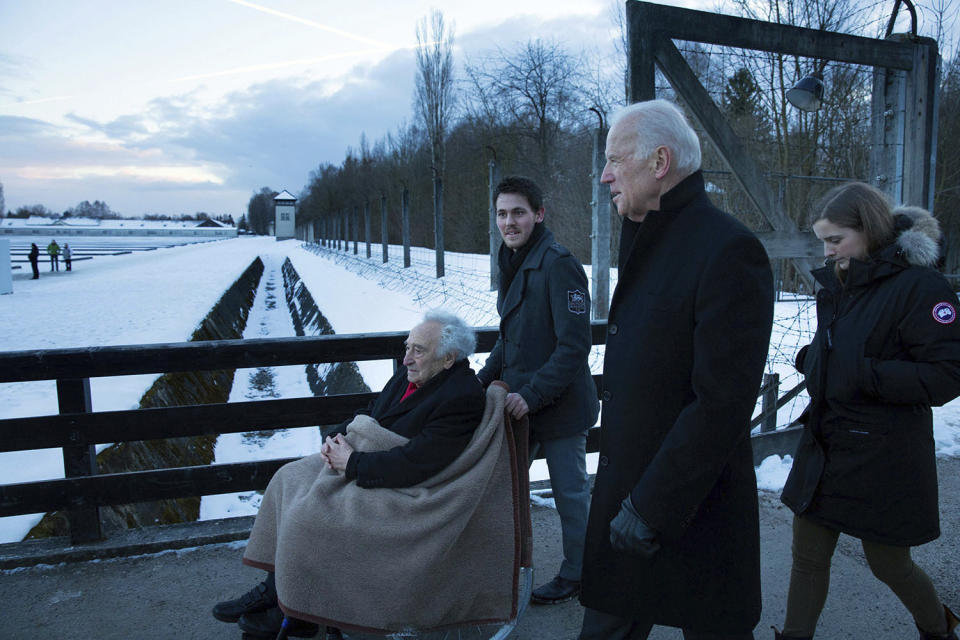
(887, 348)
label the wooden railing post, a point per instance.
(768, 402)
(73, 396)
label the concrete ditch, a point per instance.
(225, 321)
(324, 379)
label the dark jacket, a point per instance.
(687, 340)
(544, 342)
(887, 348)
(34, 254)
(439, 418)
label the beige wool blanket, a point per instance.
(440, 553)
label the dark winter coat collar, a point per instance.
(395, 407)
(673, 201)
(916, 244)
(511, 297)
(683, 193)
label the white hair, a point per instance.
(456, 336)
(657, 123)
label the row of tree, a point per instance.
(532, 109)
(98, 210)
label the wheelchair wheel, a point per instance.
(496, 631)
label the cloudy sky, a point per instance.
(182, 106)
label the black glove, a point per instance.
(630, 534)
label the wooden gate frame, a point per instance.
(904, 106)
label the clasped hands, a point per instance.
(336, 452)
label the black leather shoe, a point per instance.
(556, 591)
(257, 599)
(266, 624)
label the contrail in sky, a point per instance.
(311, 23)
(42, 100)
(274, 65)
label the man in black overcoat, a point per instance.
(673, 536)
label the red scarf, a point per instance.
(410, 389)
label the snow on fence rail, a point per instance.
(77, 429)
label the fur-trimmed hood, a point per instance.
(918, 236)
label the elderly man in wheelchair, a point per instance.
(406, 519)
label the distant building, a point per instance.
(285, 221)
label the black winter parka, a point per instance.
(887, 348)
(687, 340)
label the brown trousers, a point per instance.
(813, 547)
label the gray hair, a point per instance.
(456, 336)
(657, 123)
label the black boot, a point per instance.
(266, 624)
(556, 591)
(952, 623)
(779, 636)
(261, 597)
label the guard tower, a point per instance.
(285, 216)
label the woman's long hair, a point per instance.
(861, 207)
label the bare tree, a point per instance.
(3, 206)
(434, 104)
(536, 90)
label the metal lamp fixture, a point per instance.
(807, 94)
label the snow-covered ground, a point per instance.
(162, 295)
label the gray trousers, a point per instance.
(567, 464)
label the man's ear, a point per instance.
(448, 361)
(662, 161)
(538, 216)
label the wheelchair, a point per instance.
(516, 434)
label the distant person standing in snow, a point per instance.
(674, 533)
(67, 255)
(542, 352)
(53, 250)
(34, 257)
(887, 347)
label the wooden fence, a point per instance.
(77, 429)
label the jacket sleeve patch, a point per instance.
(944, 313)
(576, 301)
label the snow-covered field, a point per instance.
(162, 295)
